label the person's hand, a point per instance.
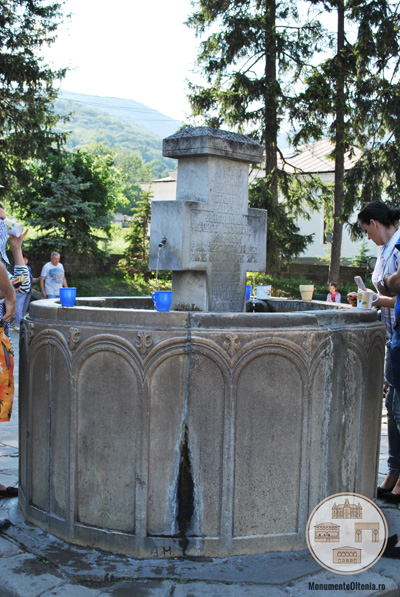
(352, 299)
(385, 291)
(10, 307)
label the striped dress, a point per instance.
(6, 350)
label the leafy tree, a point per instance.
(27, 93)
(135, 171)
(253, 46)
(352, 97)
(71, 197)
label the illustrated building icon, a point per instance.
(347, 555)
(347, 510)
(366, 526)
(325, 532)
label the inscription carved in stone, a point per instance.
(211, 235)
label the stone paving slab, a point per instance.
(217, 590)
(25, 575)
(96, 566)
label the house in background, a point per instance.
(307, 161)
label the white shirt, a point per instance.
(53, 275)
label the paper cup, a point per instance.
(14, 228)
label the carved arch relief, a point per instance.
(109, 417)
(271, 404)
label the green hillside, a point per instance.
(127, 110)
(89, 125)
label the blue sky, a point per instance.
(129, 49)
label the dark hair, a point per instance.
(25, 254)
(333, 284)
(376, 210)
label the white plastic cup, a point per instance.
(14, 228)
(365, 299)
(263, 292)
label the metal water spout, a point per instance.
(162, 242)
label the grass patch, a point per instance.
(116, 284)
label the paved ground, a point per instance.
(35, 564)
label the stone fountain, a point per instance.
(200, 432)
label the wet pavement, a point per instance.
(34, 563)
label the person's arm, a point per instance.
(42, 290)
(21, 270)
(65, 285)
(8, 293)
(385, 301)
(391, 284)
(16, 247)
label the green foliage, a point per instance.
(353, 97)
(136, 256)
(71, 197)
(362, 255)
(135, 171)
(27, 119)
(116, 284)
(255, 49)
(284, 240)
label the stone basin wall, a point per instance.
(200, 434)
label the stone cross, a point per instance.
(212, 236)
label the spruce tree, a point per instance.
(352, 97)
(70, 199)
(27, 84)
(255, 48)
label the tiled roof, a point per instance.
(313, 158)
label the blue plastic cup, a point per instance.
(162, 299)
(67, 297)
(248, 291)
